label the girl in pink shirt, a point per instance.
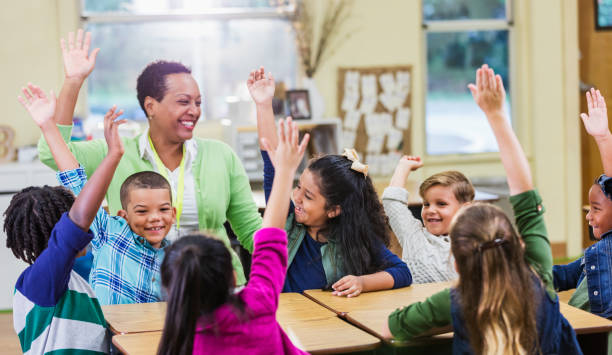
(204, 315)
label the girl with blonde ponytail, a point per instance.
(504, 301)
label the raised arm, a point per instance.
(42, 110)
(88, 201)
(490, 95)
(596, 125)
(285, 156)
(405, 166)
(261, 88)
(78, 64)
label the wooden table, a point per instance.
(370, 310)
(138, 343)
(135, 318)
(318, 330)
(309, 325)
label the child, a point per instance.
(426, 245)
(54, 309)
(204, 314)
(336, 227)
(488, 315)
(591, 275)
(128, 249)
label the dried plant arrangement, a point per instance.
(316, 44)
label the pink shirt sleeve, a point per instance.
(268, 268)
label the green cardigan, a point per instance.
(221, 184)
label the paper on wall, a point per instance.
(351, 91)
(402, 118)
(368, 86)
(385, 122)
(348, 138)
(394, 138)
(368, 105)
(387, 82)
(373, 161)
(403, 81)
(351, 120)
(375, 144)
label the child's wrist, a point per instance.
(603, 137)
(74, 79)
(265, 104)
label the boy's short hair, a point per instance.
(142, 180)
(30, 218)
(460, 185)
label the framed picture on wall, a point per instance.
(603, 15)
(298, 103)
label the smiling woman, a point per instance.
(209, 185)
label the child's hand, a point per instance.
(78, 62)
(409, 163)
(288, 154)
(596, 122)
(261, 87)
(38, 105)
(111, 133)
(488, 93)
(406, 164)
(349, 286)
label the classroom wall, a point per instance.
(545, 61)
(388, 32)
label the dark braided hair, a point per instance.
(198, 275)
(31, 216)
(362, 225)
(152, 81)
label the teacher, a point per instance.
(206, 176)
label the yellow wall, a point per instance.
(545, 62)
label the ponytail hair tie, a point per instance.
(492, 244)
(351, 155)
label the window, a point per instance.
(460, 36)
(221, 41)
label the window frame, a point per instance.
(434, 26)
(281, 12)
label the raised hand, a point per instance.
(78, 62)
(288, 153)
(261, 86)
(405, 166)
(596, 121)
(38, 105)
(488, 93)
(111, 133)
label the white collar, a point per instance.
(145, 151)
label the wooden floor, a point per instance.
(9, 342)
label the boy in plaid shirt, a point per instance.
(127, 249)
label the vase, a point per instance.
(317, 103)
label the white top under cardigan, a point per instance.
(189, 216)
(428, 256)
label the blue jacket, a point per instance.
(596, 265)
(555, 334)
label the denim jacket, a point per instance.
(596, 265)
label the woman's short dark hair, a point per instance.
(30, 218)
(152, 81)
(361, 228)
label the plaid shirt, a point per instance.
(126, 268)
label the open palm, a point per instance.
(78, 62)
(596, 122)
(261, 86)
(38, 105)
